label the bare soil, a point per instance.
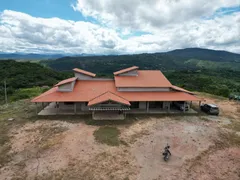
(54, 149)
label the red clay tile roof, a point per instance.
(106, 97)
(66, 81)
(84, 72)
(44, 95)
(145, 78)
(181, 89)
(84, 91)
(125, 70)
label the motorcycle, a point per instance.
(166, 153)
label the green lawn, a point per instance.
(107, 135)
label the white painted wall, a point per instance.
(142, 105)
(68, 87)
(81, 76)
(130, 73)
(139, 89)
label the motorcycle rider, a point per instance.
(166, 153)
(166, 150)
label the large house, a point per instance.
(130, 91)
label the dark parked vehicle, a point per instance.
(180, 105)
(210, 109)
(234, 97)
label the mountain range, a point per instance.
(182, 59)
(190, 53)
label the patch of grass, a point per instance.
(228, 139)
(49, 131)
(207, 95)
(49, 136)
(124, 143)
(22, 112)
(47, 144)
(92, 122)
(238, 109)
(138, 135)
(107, 135)
(105, 165)
(225, 140)
(4, 156)
(235, 125)
(204, 118)
(4, 138)
(26, 93)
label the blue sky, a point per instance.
(117, 26)
(63, 9)
(44, 8)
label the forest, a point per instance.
(26, 79)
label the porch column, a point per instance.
(36, 109)
(191, 104)
(57, 106)
(75, 108)
(168, 106)
(147, 106)
(200, 103)
(42, 105)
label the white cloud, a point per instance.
(147, 14)
(219, 33)
(22, 32)
(167, 30)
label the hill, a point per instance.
(31, 56)
(34, 56)
(20, 76)
(206, 54)
(185, 59)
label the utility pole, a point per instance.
(5, 90)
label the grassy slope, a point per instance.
(215, 82)
(212, 65)
(22, 111)
(24, 79)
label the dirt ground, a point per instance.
(54, 149)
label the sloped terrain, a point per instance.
(203, 147)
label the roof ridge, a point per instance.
(181, 89)
(60, 83)
(126, 70)
(108, 96)
(98, 96)
(84, 72)
(106, 93)
(45, 93)
(118, 95)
